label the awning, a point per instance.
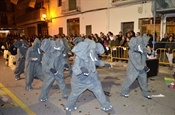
(166, 11)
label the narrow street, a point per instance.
(14, 100)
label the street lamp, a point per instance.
(44, 16)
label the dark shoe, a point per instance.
(107, 93)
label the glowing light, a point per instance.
(44, 16)
(4, 31)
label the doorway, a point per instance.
(88, 30)
(73, 27)
(126, 26)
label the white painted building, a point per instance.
(74, 17)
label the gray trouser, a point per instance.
(78, 88)
(20, 64)
(47, 84)
(130, 78)
(34, 70)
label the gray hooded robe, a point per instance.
(86, 58)
(136, 65)
(66, 53)
(22, 47)
(33, 64)
(52, 60)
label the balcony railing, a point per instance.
(70, 8)
(31, 17)
(127, 2)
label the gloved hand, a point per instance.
(146, 69)
(53, 71)
(57, 48)
(139, 49)
(84, 71)
(64, 55)
(66, 66)
(108, 65)
(34, 59)
(70, 53)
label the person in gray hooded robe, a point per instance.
(85, 75)
(33, 64)
(22, 47)
(136, 68)
(66, 54)
(52, 67)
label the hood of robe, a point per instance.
(24, 43)
(99, 48)
(145, 40)
(36, 43)
(17, 44)
(81, 50)
(77, 40)
(57, 47)
(133, 44)
(45, 45)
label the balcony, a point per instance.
(70, 7)
(31, 17)
(127, 2)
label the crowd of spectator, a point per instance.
(108, 40)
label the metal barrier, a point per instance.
(119, 53)
(161, 55)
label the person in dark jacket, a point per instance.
(113, 44)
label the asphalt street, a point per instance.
(14, 100)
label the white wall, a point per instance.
(93, 4)
(101, 20)
(98, 20)
(56, 23)
(128, 14)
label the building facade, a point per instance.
(7, 17)
(74, 17)
(29, 17)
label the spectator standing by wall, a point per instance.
(164, 39)
(113, 44)
(120, 36)
(169, 48)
